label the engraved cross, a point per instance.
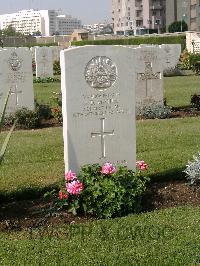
(15, 92)
(148, 75)
(103, 134)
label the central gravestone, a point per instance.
(98, 106)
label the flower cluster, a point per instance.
(108, 169)
(73, 185)
(142, 165)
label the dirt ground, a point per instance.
(19, 215)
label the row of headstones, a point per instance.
(45, 56)
(16, 73)
(101, 87)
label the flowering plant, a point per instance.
(57, 111)
(193, 170)
(104, 191)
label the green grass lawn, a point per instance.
(178, 90)
(44, 92)
(167, 237)
(34, 163)
(34, 158)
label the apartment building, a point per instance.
(94, 28)
(187, 10)
(138, 16)
(66, 24)
(48, 22)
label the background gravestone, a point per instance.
(149, 75)
(56, 52)
(44, 62)
(171, 56)
(16, 76)
(98, 92)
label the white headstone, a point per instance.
(16, 76)
(149, 75)
(56, 52)
(171, 55)
(98, 106)
(44, 62)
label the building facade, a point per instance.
(184, 10)
(47, 22)
(94, 28)
(138, 16)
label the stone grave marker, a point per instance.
(56, 52)
(44, 62)
(16, 77)
(171, 55)
(98, 92)
(149, 75)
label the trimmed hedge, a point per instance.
(137, 41)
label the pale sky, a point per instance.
(89, 11)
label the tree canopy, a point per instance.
(10, 31)
(178, 26)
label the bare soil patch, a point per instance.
(15, 216)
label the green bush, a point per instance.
(185, 60)
(56, 67)
(154, 110)
(195, 101)
(27, 119)
(104, 194)
(178, 26)
(190, 61)
(46, 80)
(57, 111)
(44, 111)
(137, 41)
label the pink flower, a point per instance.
(65, 196)
(108, 168)
(60, 195)
(142, 165)
(75, 187)
(70, 176)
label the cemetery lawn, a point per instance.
(44, 92)
(166, 237)
(34, 159)
(178, 90)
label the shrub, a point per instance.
(56, 67)
(137, 41)
(103, 192)
(185, 60)
(57, 111)
(190, 61)
(154, 110)
(173, 71)
(178, 26)
(27, 119)
(46, 80)
(195, 101)
(44, 111)
(33, 66)
(193, 170)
